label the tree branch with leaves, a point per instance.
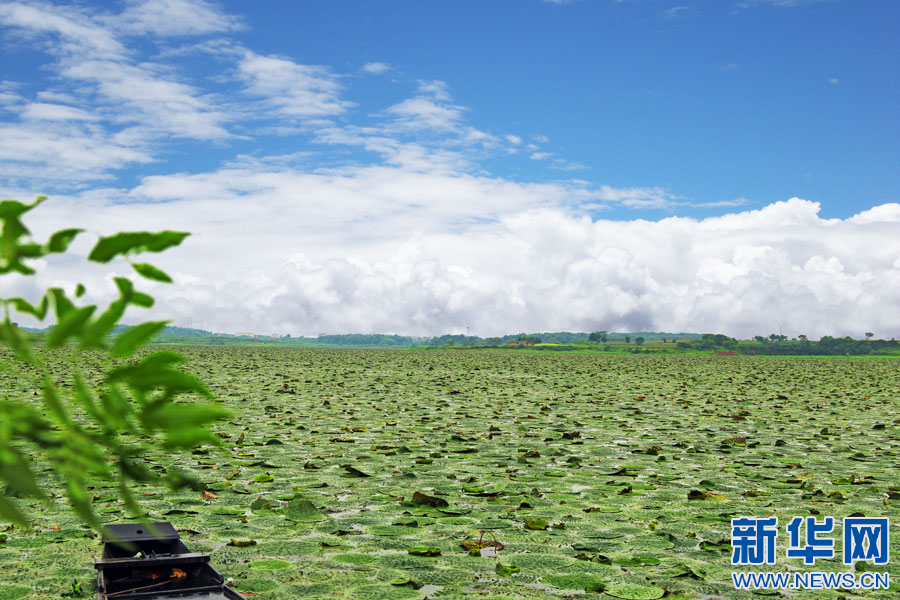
(141, 404)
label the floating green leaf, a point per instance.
(576, 581)
(631, 591)
(271, 564)
(420, 499)
(302, 510)
(424, 551)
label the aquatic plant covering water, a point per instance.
(369, 474)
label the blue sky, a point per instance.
(709, 101)
(423, 167)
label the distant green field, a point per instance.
(594, 471)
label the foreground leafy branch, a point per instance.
(97, 428)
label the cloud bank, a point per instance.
(494, 256)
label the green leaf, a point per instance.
(637, 561)
(85, 398)
(10, 513)
(52, 402)
(116, 407)
(179, 478)
(141, 299)
(23, 306)
(184, 424)
(14, 208)
(95, 334)
(13, 229)
(155, 372)
(26, 422)
(632, 591)
(302, 510)
(14, 338)
(15, 470)
(260, 504)
(271, 564)
(80, 501)
(126, 287)
(129, 295)
(425, 551)
(134, 337)
(60, 240)
(351, 471)
(163, 359)
(71, 324)
(576, 581)
(30, 250)
(10, 209)
(61, 304)
(420, 499)
(132, 242)
(15, 265)
(79, 290)
(150, 272)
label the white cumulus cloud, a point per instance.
(376, 68)
(173, 17)
(292, 89)
(389, 249)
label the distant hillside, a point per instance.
(639, 342)
(182, 335)
(201, 337)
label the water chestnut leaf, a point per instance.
(424, 551)
(420, 499)
(241, 543)
(15, 592)
(260, 504)
(301, 510)
(576, 581)
(631, 591)
(271, 564)
(351, 471)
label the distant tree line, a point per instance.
(779, 345)
(773, 344)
